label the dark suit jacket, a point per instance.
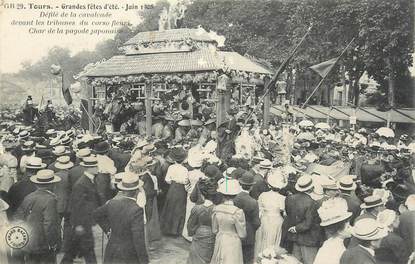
(75, 173)
(62, 191)
(353, 205)
(407, 228)
(250, 207)
(357, 255)
(17, 192)
(120, 159)
(148, 186)
(259, 187)
(125, 219)
(103, 183)
(84, 200)
(302, 213)
(39, 212)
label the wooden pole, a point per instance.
(148, 110)
(90, 107)
(267, 106)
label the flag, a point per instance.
(325, 67)
(84, 115)
(66, 92)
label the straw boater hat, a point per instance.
(129, 182)
(141, 143)
(117, 178)
(55, 141)
(70, 133)
(35, 163)
(45, 177)
(304, 183)
(63, 163)
(229, 187)
(28, 145)
(372, 201)
(84, 152)
(89, 162)
(346, 183)
(66, 140)
(333, 211)
(50, 132)
(265, 164)
(60, 151)
(24, 134)
(368, 229)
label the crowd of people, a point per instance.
(240, 193)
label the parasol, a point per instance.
(305, 123)
(385, 132)
(322, 126)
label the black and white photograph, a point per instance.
(207, 132)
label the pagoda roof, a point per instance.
(175, 62)
(197, 34)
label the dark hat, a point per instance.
(238, 173)
(212, 171)
(247, 179)
(178, 154)
(102, 147)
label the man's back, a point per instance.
(251, 211)
(407, 228)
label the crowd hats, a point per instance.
(129, 182)
(102, 147)
(372, 201)
(346, 183)
(55, 141)
(63, 163)
(328, 184)
(333, 211)
(236, 174)
(28, 145)
(35, 163)
(247, 179)
(65, 140)
(70, 133)
(368, 229)
(212, 171)
(229, 187)
(50, 132)
(45, 177)
(60, 151)
(90, 161)
(177, 154)
(304, 183)
(184, 123)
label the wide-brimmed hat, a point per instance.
(276, 179)
(55, 141)
(117, 178)
(229, 187)
(45, 177)
(102, 147)
(265, 164)
(84, 152)
(35, 163)
(346, 183)
(50, 132)
(60, 151)
(24, 134)
(184, 123)
(247, 179)
(70, 133)
(212, 171)
(228, 172)
(372, 201)
(65, 140)
(141, 143)
(129, 182)
(90, 161)
(333, 211)
(368, 229)
(28, 145)
(304, 183)
(63, 163)
(177, 154)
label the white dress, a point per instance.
(194, 176)
(269, 233)
(330, 252)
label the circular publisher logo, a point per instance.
(17, 237)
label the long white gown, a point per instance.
(269, 233)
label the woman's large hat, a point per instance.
(304, 183)
(63, 163)
(276, 179)
(45, 177)
(368, 229)
(372, 201)
(333, 211)
(229, 187)
(35, 163)
(177, 154)
(129, 182)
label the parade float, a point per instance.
(176, 72)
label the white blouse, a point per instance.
(177, 173)
(331, 251)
